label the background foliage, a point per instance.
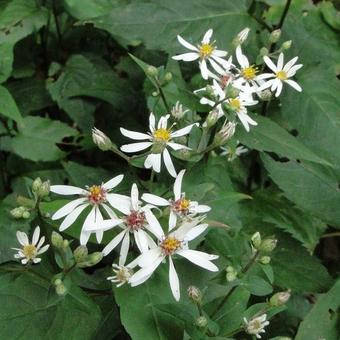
(64, 68)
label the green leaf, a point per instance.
(19, 19)
(322, 322)
(31, 310)
(310, 187)
(269, 136)
(37, 139)
(8, 106)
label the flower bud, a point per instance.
(268, 245)
(17, 212)
(155, 93)
(36, 184)
(60, 289)
(168, 77)
(264, 51)
(286, 45)
(210, 90)
(231, 276)
(275, 36)
(232, 92)
(26, 214)
(265, 259)
(95, 257)
(256, 240)
(195, 294)
(58, 282)
(151, 71)
(44, 189)
(66, 243)
(212, 118)
(241, 37)
(101, 140)
(80, 254)
(201, 322)
(265, 95)
(279, 299)
(230, 269)
(57, 240)
(185, 154)
(226, 132)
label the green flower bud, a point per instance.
(232, 92)
(286, 45)
(265, 259)
(26, 214)
(230, 269)
(155, 93)
(226, 132)
(275, 36)
(264, 51)
(80, 254)
(195, 294)
(168, 77)
(95, 257)
(101, 140)
(201, 322)
(231, 276)
(268, 245)
(279, 299)
(61, 290)
(241, 37)
(17, 212)
(44, 189)
(212, 118)
(66, 244)
(210, 90)
(151, 71)
(36, 184)
(57, 240)
(256, 240)
(185, 154)
(58, 282)
(265, 95)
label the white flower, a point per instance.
(175, 243)
(242, 36)
(29, 251)
(180, 206)
(101, 140)
(205, 51)
(232, 154)
(95, 196)
(137, 219)
(281, 75)
(159, 139)
(238, 104)
(256, 325)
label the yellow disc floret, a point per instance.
(30, 251)
(170, 245)
(282, 75)
(249, 73)
(206, 50)
(97, 194)
(162, 135)
(235, 104)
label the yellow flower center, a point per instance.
(282, 75)
(235, 104)
(162, 135)
(170, 245)
(206, 50)
(97, 194)
(249, 73)
(30, 251)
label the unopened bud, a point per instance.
(80, 254)
(256, 240)
(286, 45)
(212, 118)
(275, 36)
(230, 269)
(279, 299)
(57, 240)
(58, 282)
(210, 90)
(268, 245)
(101, 140)
(155, 93)
(151, 71)
(44, 189)
(264, 51)
(95, 257)
(265, 259)
(195, 294)
(36, 184)
(226, 132)
(231, 276)
(265, 95)
(26, 214)
(168, 77)
(20, 212)
(241, 37)
(185, 154)
(232, 92)
(201, 322)
(66, 243)
(61, 290)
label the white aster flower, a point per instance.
(175, 243)
(137, 220)
(204, 51)
(30, 251)
(177, 111)
(180, 206)
(233, 154)
(159, 139)
(95, 196)
(256, 325)
(281, 75)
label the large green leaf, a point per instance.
(322, 322)
(310, 187)
(37, 138)
(269, 136)
(31, 310)
(8, 106)
(19, 19)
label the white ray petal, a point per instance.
(120, 202)
(195, 232)
(280, 62)
(172, 220)
(134, 134)
(270, 64)
(71, 217)
(43, 249)
(168, 163)
(147, 258)
(153, 224)
(207, 36)
(174, 281)
(176, 146)
(141, 240)
(84, 237)
(294, 84)
(22, 238)
(68, 208)
(134, 197)
(190, 56)
(186, 44)
(156, 200)
(279, 89)
(293, 70)
(290, 63)
(36, 234)
(202, 208)
(178, 185)
(152, 122)
(198, 258)
(124, 248)
(41, 242)
(184, 131)
(153, 161)
(114, 242)
(67, 190)
(135, 147)
(113, 182)
(204, 69)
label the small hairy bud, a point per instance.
(66, 243)
(151, 71)
(36, 184)
(275, 36)
(201, 322)
(286, 45)
(60, 289)
(26, 214)
(268, 245)
(265, 259)
(57, 240)
(279, 299)
(231, 276)
(168, 77)
(195, 294)
(80, 254)
(226, 132)
(256, 240)
(101, 140)
(265, 95)
(264, 51)
(241, 37)
(44, 189)
(212, 118)
(20, 212)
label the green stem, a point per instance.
(120, 154)
(54, 10)
(161, 92)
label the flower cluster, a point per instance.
(134, 219)
(234, 85)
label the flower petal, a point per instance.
(279, 89)
(141, 240)
(153, 161)
(134, 197)
(204, 69)
(67, 190)
(186, 44)
(152, 122)
(199, 258)
(70, 218)
(294, 84)
(172, 220)
(168, 163)
(153, 224)
(156, 200)
(135, 147)
(191, 56)
(174, 281)
(43, 249)
(124, 249)
(147, 258)
(120, 202)
(178, 185)
(280, 62)
(113, 182)
(176, 146)
(184, 131)
(36, 234)
(202, 208)
(270, 64)
(195, 232)
(114, 242)
(207, 36)
(22, 238)
(134, 135)
(290, 63)
(68, 208)
(84, 237)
